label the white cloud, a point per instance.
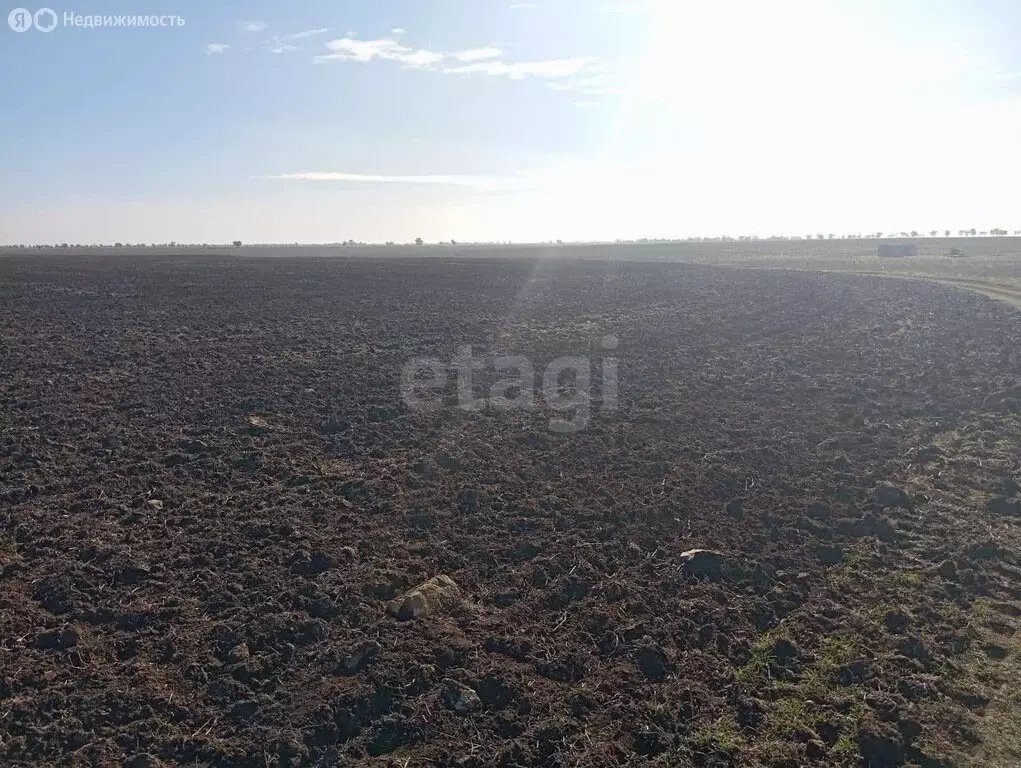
(518, 69)
(396, 31)
(469, 61)
(520, 6)
(477, 54)
(475, 182)
(306, 33)
(420, 58)
(252, 26)
(348, 49)
(284, 43)
(212, 48)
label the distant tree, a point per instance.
(820, 236)
(934, 233)
(236, 243)
(453, 242)
(118, 245)
(946, 233)
(972, 231)
(983, 233)
(63, 245)
(418, 241)
(914, 233)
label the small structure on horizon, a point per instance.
(897, 250)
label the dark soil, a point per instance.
(211, 489)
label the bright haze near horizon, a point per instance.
(380, 120)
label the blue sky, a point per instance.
(479, 120)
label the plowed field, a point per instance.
(211, 488)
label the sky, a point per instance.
(483, 120)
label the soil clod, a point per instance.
(437, 594)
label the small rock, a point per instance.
(238, 654)
(892, 496)
(438, 593)
(459, 698)
(702, 563)
(361, 657)
(829, 554)
(155, 504)
(193, 446)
